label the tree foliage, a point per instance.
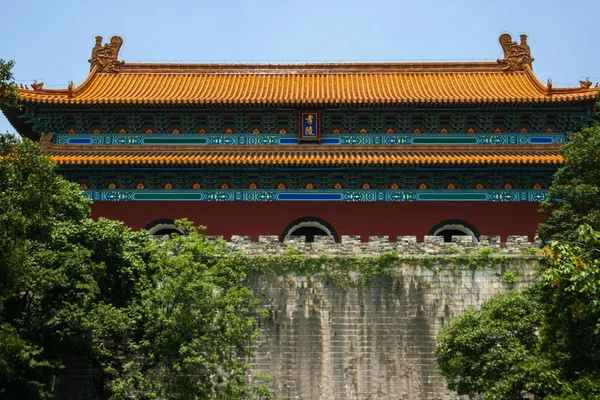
(570, 290)
(195, 300)
(9, 94)
(543, 341)
(169, 318)
(34, 203)
(574, 196)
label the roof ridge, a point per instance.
(314, 68)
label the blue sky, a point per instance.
(51, 41)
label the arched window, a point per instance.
(455, 227)
(309, 227)
(162, 227)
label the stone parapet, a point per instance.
(352, 245)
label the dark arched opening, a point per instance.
(309, 227)
(454, 227)
(162, 227)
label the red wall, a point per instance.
(365, 219)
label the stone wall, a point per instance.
(321, 341)
(360, 342)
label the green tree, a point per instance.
(63, 277)
(168, 318)
(574, 196)
(543, 341)
(9, 95)
(196, 320)
(34, 202)
(493, 352)
(570, 293)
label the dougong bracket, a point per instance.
(105, 57)
(516, 56)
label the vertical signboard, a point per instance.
(309, 127)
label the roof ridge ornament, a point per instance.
(38, 86)
(46, 140)
(105, 57)
(516, 56)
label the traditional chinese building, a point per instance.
(311, 149)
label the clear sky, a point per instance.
(51, 40)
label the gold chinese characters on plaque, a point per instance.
(309, 127)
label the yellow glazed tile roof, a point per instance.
(426, 155)
(309, 85)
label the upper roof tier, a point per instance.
(508, 81)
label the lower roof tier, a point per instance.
(306, 156)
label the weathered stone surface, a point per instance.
(374, 342)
